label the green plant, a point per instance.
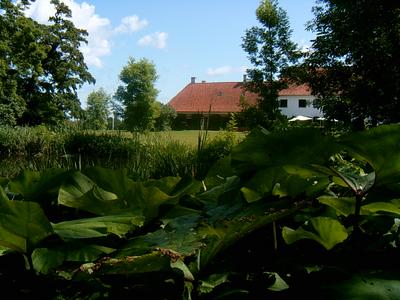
(286, 214)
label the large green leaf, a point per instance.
(116, 193)
(38, 186)
(283, 181)
(300, 146)
(380, 147)
(360, 184)
(131, 265)
(115, 181)
(381, 207)
(366, 287)
(326, 231)
(88, 228)
(22, 224)
(223, 232)
(79, 191)
(46, 259)
(179, 236)
(214, 280)
(343, 205)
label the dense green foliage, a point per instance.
(41, 66)
(353, 65)
(138, 95)
(96, 114)
(270, 50)
(143, 156)
(166, 117)
(294, 214)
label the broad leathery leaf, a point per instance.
(262, 183)
(327, 231)
(133, 265)
(44, 259)
(118, 182)
(178, 236)
(279, 284)
(87, 228)
(251, 195)
(380, 208)
(81, 192)
(115, 181)
(227, 185)
(147, 196)
(47, 259)
(175, 186)
(299, 146)
(180, 265)
(358, 183)
(380, 147)
(366, 287)
(22, 224)
(208, 285)
(220, 169)
(343, 205)
(38, 186)
(278, 181)
(223, 233)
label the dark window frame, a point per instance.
(302, 103)
(283, 103)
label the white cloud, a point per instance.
(100, 31)
(83, 17)
(131, 24)
(157, 40)
(225, 70)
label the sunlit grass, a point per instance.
(187, 137)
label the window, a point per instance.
(283, 103)
(302, 103)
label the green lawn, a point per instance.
(189, 137)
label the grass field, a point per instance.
(188, 137)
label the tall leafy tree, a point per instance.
(138, 94)
(41, 66)
(97, 110)
(270, 51)
(354, 65)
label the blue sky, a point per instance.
(182, 38)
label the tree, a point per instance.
(41, 66)
(167, 115)
(138, 94)
(97, 110)
(354, 65)
(270, 50)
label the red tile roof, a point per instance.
(220, 97)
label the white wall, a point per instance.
(293, 108)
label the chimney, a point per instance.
(244, 78)
(193, 80)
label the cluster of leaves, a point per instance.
(270, 51)
(332, 204)
(352, 66)
(137, 95)
(41, 66)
